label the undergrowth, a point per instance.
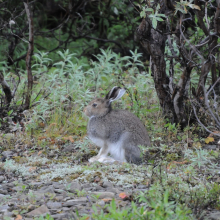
(179, 172)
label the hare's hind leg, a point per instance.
(103, 152)
(132, 153)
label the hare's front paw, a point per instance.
(93, 159)
(106, 160)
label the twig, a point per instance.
(202, 123)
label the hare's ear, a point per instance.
(115, 94)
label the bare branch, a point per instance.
(29, 55)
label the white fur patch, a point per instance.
(114, 149)
(97, 141)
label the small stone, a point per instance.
(214, 216)
(59, 198)
(2, 178)
(7, 154)
(102, 195)
(139, 190)
(4, 208)
(54, 205)
(210, 147)
(141, 187)
(2, 191)
(99, 188)
(57, 185)
(72, 202)
(8, 214)
(60, 216)
(2, 196)
(31, 207)
(107, 184)
(69, 148)
(35, 196)
(60, 191)
(64, 209)
(113, 190)
(100, 203)
(39, 211)
(73, 186)
(46, 189)
(86, 185)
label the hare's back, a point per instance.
(130, 123)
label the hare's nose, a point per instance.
(84, 110)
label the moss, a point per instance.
(172, 157)
(20, 160)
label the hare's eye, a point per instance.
(94, 104)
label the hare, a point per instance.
(116, 132)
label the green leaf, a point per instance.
(154, 23)
(149, 9)
(9, 113)
(143, 14)
(159, 19)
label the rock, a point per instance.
(35, 196)
(59, 198)
(141, 187)
(72, 202)
(102, 195)
(86, 185)
(2, 178)
(100, 203)
(107, 184)
(214, 216)
(46, 189)
(73, 186)
(89, 189)
(39, 211)
(210, 147)
(69, 148)
(2, 196)
(2, 191)
(99, 188)
(57, 185)
(113, 190)
(7, 154)
(60, 216)
(31, 207)
(4, 208)
(54, 205)
(36, 184)
(60, 191)
(139, 190)
(8, 214)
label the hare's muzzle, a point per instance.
(85, 110)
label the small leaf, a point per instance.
(209, 139)
(9, 113)
(154, 23)
(142, 14)
(159, 19)
(115, 10)
(149, 9)
(71, 139)
(41, 138)
(197, 145)
(31, 169)
(123, 195)
(18, 217)
(107, 200)
(40, 152)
